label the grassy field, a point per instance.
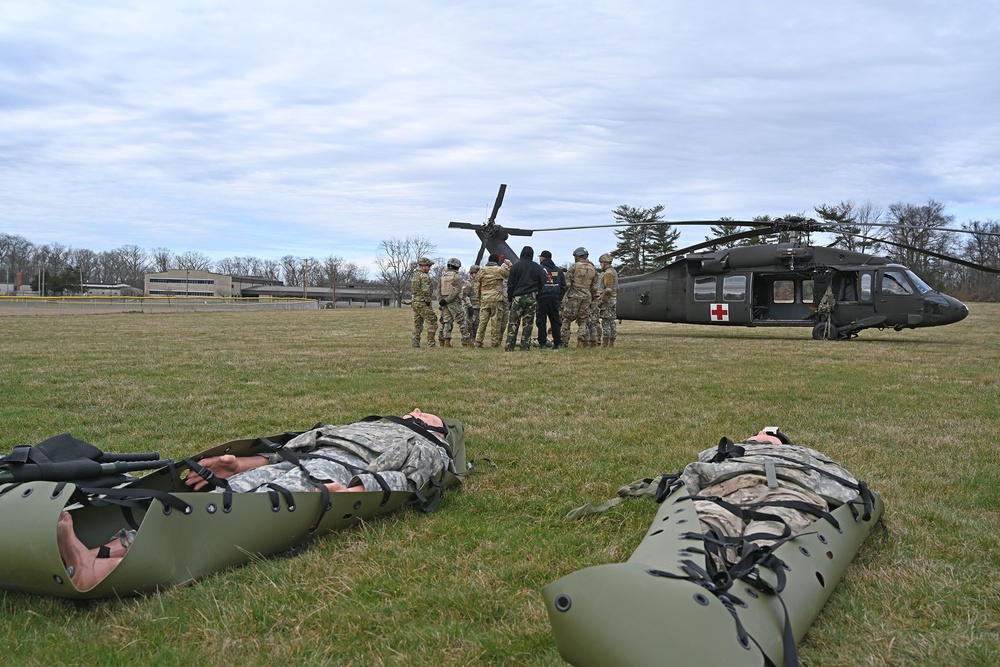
(914, 413)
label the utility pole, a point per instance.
(305, 279)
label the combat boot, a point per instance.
(580, 343)
(610, 342)
(604, 343)
(446, 343)
(479, 345)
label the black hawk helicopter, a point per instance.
(838, 293)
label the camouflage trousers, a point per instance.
(495, 312)
(403, 466)
(450, 314)
(594, 323)
(522, 313)
(422, 312)
(472, 319)
(576, 309)
(608, 313)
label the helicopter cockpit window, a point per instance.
(734, 288)
(704, 288)
(784, 291)
(923, 287)
(893, 282)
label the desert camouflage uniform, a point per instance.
(350, 453)
(451, 312)
(492, 302)
(422, 311)
(608, 301)
(581, 290)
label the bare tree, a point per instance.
(161, 258)
(920, 228)
(193, 261)
(399, 261)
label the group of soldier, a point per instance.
(513, 297)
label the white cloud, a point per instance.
(306, 128)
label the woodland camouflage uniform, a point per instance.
(489, 285)
(422, 291)
(594, 316)
(451, 304)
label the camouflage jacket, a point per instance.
(489, 283)
(451, 285)
(351, 453)
(470, 297)
(422, 289)
(609, 283)
(581, 280)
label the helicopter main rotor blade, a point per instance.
(931, 253)
(714, 242)
(701, 223)
(463, 225)
(496, 206)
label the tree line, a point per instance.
(647, 241)
(62, 269)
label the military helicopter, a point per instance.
(837, 293)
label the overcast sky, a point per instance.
(318, 128)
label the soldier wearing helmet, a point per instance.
(608, 300)
(581, 291)
(451, 304)
(421, 291)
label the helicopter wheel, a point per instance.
(825, 331)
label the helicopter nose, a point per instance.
(944, 309)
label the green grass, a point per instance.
(914, 413)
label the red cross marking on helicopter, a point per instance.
(720, 312)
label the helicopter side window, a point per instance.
(866, 287)
(893, 282)
(808, 291)
(783, 291)
(704, 288)
(734, 288)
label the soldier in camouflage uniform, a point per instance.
(492, 300)
(594, 319)
(470, 301)
(581, 290)
(422, 291)
(451, 304)
(608, 300)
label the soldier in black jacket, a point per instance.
(523, 285)
(549, 302)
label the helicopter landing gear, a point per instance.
(825, 330)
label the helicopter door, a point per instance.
(898, 300)
(782, 298)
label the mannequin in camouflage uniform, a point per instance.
(422, 291)
(581, 290)
(342, 458)
(608, 300)
(451, 304)
(492, 300)
(470, 301)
